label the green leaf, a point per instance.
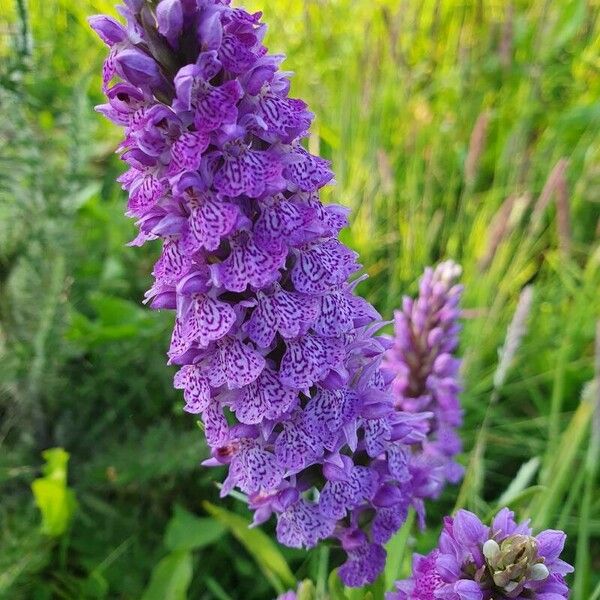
(396, 549)
(358, 594)
(376, 589)
(113, 310)
(570, 21)
(57, 460)
(520, 482)
(306, 590)
(170, 578)
(259, 545)
(185, 531)
(55, 500)
(336, 587)
(215, 588)
(563, 465)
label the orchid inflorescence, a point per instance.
(332, 428)
(423, 360)
(501, 562)
(276, 351)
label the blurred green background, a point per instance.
(467, 130)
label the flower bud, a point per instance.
(513, 561)
(538, 572)
(138, 68)
(491, 549)
(169, 16)
(109, 30)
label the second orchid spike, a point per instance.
(425, 367)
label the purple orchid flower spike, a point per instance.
(503, 561)
(277, 354)
(422, 359)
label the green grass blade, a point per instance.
(259, 545)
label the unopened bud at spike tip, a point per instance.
(491, 549)
(539, 572)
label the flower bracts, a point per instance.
(276, 352)
(501, 562)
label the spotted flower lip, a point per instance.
(276, 353)
(502, 561)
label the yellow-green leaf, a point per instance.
(259, 545)
(185, 531)
(170, 578)
(55, 500)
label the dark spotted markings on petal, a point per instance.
(284, 117)
(336, 316)
(265, 398)
(303, 525)
(260, 470)
(398, 459)
(173, 262)
(195, 386)
(335, 499)
(288, 313)
(247, 264)
(295, 448)
(236, 55)
(280, 219)
(207, 320)
(339, 496)
(215, 371)
(139, 118)
(306, 171)
(240, 362)
(319, 267)
(215, 425)
(186, 152)
(333, 408)
(210, 220)
(387, 521)
(377, 432)
(335, 218)
(252, 173)
(180, 344)
(109, 69)
(363, 565)
(262, 325)
(309, 358)
(215, 106)
(144, 194)
(295, 312)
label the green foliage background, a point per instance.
(457, 129)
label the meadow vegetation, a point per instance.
(464, 130)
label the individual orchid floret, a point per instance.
(425, 367)
(277, 355)
(504, 561)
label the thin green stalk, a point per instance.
(218, 592)
(323, 571)
(396, 551)
(514, 335)
(544, 507)
(558, 390)
(596, 593)
(582, 561)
